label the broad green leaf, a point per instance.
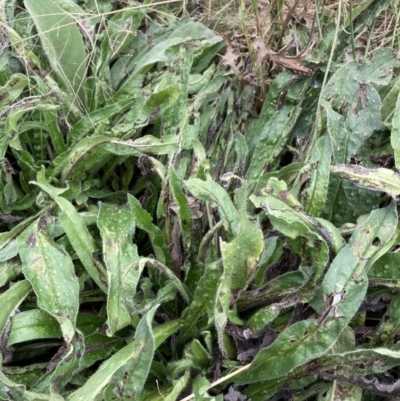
(62, 43)
(199, 355)
(123, 26)
(200, 387)
(10, 300)
(395, 136)
(57, 293)
(389, 100)
(360, 362)
(77, 233)
(386, 267)
(274, 132)
(223, 312)
(134, 359)
(286, 215)
(178, 387)
(97, 117)
(240, 256)
(210, 191)
(198, 81)
(139, 266)
(183, 210)
(269, 107)
(37, 324)
(366, 241)
(12, 89)
(10, 390)
(35, 104)
(31, 325)
(8, 243)
(283, 286)
(9, 271)
(390, 323)
(144, 222)
(346, 202)
(163, 331)
(117, 226)
(344, 288)
(380, 179)
(318, 189)
(81, 158)
(57, 290)
(156, 54)
(22, 50)
(203, 301)
(167, 144)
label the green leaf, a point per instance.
(182, 206)
(345, 202)
(134, 359)
(144, 222)
(10, 300)
(12, 89)
(380, 179)
(57, 293)
(344, 287)
(117, 226)
(203, 302)
(366, 241)
(35, 324)
(178, 387)
(389, 100)
(210, 191)
(395, 136)
(287, 217)
(77, 232)
(240, 256)
(83, 156)
(318, 189)
(57, 290)
(62, 43)
(274, 132)
(10, 390)
(97, 117)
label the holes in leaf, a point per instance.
(376, 241)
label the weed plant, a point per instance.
(198, 200)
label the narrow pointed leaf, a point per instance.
(380, 179)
